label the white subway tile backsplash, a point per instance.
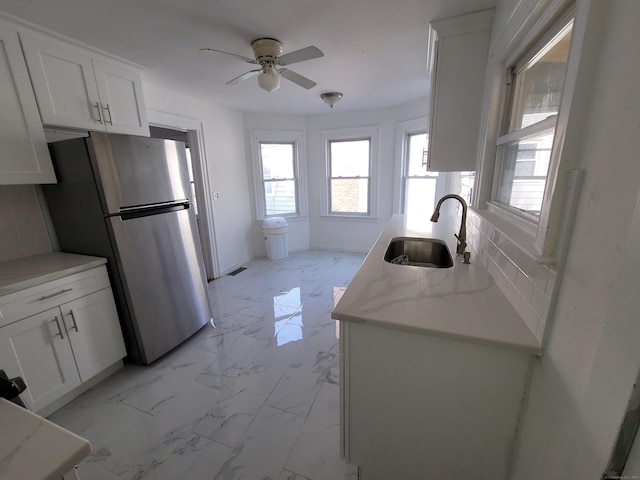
(23, 231)
(531, 318)
(527, 284)
(511, 271)
(524, 285)
(540, 302)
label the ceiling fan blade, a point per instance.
(243, 77)
(300, 55)
(304, 82)
(246, 59)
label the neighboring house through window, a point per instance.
(350, 166)
(523, 156)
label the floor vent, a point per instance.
(236, 271)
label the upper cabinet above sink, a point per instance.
(457, 59)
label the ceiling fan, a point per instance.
(268, 54)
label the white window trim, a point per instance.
(342, 134)
(403, 130)
(529, 21)
(281, 136)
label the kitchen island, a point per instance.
(434, 365)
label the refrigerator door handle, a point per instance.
(136, 208)
(149, 211)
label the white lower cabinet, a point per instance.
(59, 349)
(38, 349)
(415, 406)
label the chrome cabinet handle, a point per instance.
(47, 297)
(97, 107)
(55, 319)
(73, 319)
(108, 110)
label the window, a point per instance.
(419, 186)
(524, 150)
(349, 176)
(278, 180)
(350, 165)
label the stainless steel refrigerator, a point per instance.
(127, 198)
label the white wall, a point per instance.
(355, 235)
(581, 387)
(330, 233)
(226, 160)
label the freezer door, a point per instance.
(136, 171)
(160, 264)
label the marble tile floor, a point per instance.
(255, 398)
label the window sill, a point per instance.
(349, 218)
(518, 231)
(288, 218)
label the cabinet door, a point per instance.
(38, 350)
(94, 332)
(25, 157)
(121, 99)
(64, 84)
(460, 60)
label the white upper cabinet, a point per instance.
(25, 158)
(78, 90)
(458, 51)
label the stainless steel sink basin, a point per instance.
(419, 252)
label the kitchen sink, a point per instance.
(418, 252)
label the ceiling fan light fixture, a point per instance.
(269, 81)
(331, 98)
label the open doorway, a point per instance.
(198, 179)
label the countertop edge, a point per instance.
(58, 265)
(525, 348)
(38, 432)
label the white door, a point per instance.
(25, 157)
(64, 84)
(94, 332)
(121, 99)
(38, 350)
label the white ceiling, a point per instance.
(375, 50)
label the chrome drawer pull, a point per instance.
(55, 319)
(47, 297)
(73, 319)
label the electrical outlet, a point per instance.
(216, 195)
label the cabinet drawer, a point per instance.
(39, 298)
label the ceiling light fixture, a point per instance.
(331, 98)
(269, 79)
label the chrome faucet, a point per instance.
(462, 235)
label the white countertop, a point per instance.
(462, 302)
(27, 272)
(35, 448)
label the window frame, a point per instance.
(294, 138)
(526, 57)
(404, 131)
(538, 235)
(351, 134)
